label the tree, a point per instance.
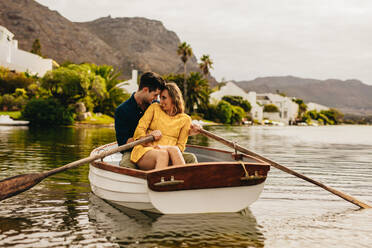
(185, 51)
(115, 95)
(271, 108)
(224, 111)
(333, 115)
(301, 107)
(10, 81)
(205, 65)
(93, 85)
(36, 47)
(238, 101)
(65, 84)
(238, 114)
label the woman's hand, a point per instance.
(195, 128)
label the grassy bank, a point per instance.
(97, 120)
(13, 114)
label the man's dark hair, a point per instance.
(151, 80)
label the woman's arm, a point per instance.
(144, 123)
(184, 134)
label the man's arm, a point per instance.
(122, 126)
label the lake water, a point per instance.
(61, 211)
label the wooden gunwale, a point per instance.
(120, 170)
(224, 151)
(144, 174)
(214, 174)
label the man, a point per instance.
(128, 114)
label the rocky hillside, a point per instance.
(143, 43)
(125, 43)
(349, 96)
(60, 39)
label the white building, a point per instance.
(256, 110)
(231, 89)
(15, 59)
(130, 85)
(316, 106)
(288, 109)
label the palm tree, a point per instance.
(205, 65)
(185, 51)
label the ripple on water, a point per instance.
(61, 212)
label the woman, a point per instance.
(169, 119)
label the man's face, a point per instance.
(151, 96)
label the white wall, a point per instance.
(274, 116)
(19, 60)
(316, 106)
(130, 85)
(256, 110)
(287, 108)
(230, 89)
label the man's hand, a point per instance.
(156, 134)
(130, 140)
(195, 128)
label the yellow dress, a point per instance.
(174, 130)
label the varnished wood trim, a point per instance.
(206, 175)
(120, 170)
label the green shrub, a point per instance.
(10, 81)
(7, 102)
(238, 114)
(47, 112)
(333, 115)
(224, 111)
(20, 92)
(313, 114)
(325, 119)
(271, 108)
(238, 101)
(19, 103)
(209, 111)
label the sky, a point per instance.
(246, 39)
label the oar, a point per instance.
(285, 169)
(14, 185)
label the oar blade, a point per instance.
(14, 185)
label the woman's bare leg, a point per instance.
(156, 158)
(175, 155)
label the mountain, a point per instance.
(143, 43)
(125, 43)
(349, 96)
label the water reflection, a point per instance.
(13, 224)
(132, 228)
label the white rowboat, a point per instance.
(220, 182)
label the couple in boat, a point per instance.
(140, 115)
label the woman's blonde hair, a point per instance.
(176, 96)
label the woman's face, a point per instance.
(166, 103)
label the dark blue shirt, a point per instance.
(127, 116)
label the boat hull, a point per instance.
(207, 187)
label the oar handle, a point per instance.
(100, 155)
(285, 169)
